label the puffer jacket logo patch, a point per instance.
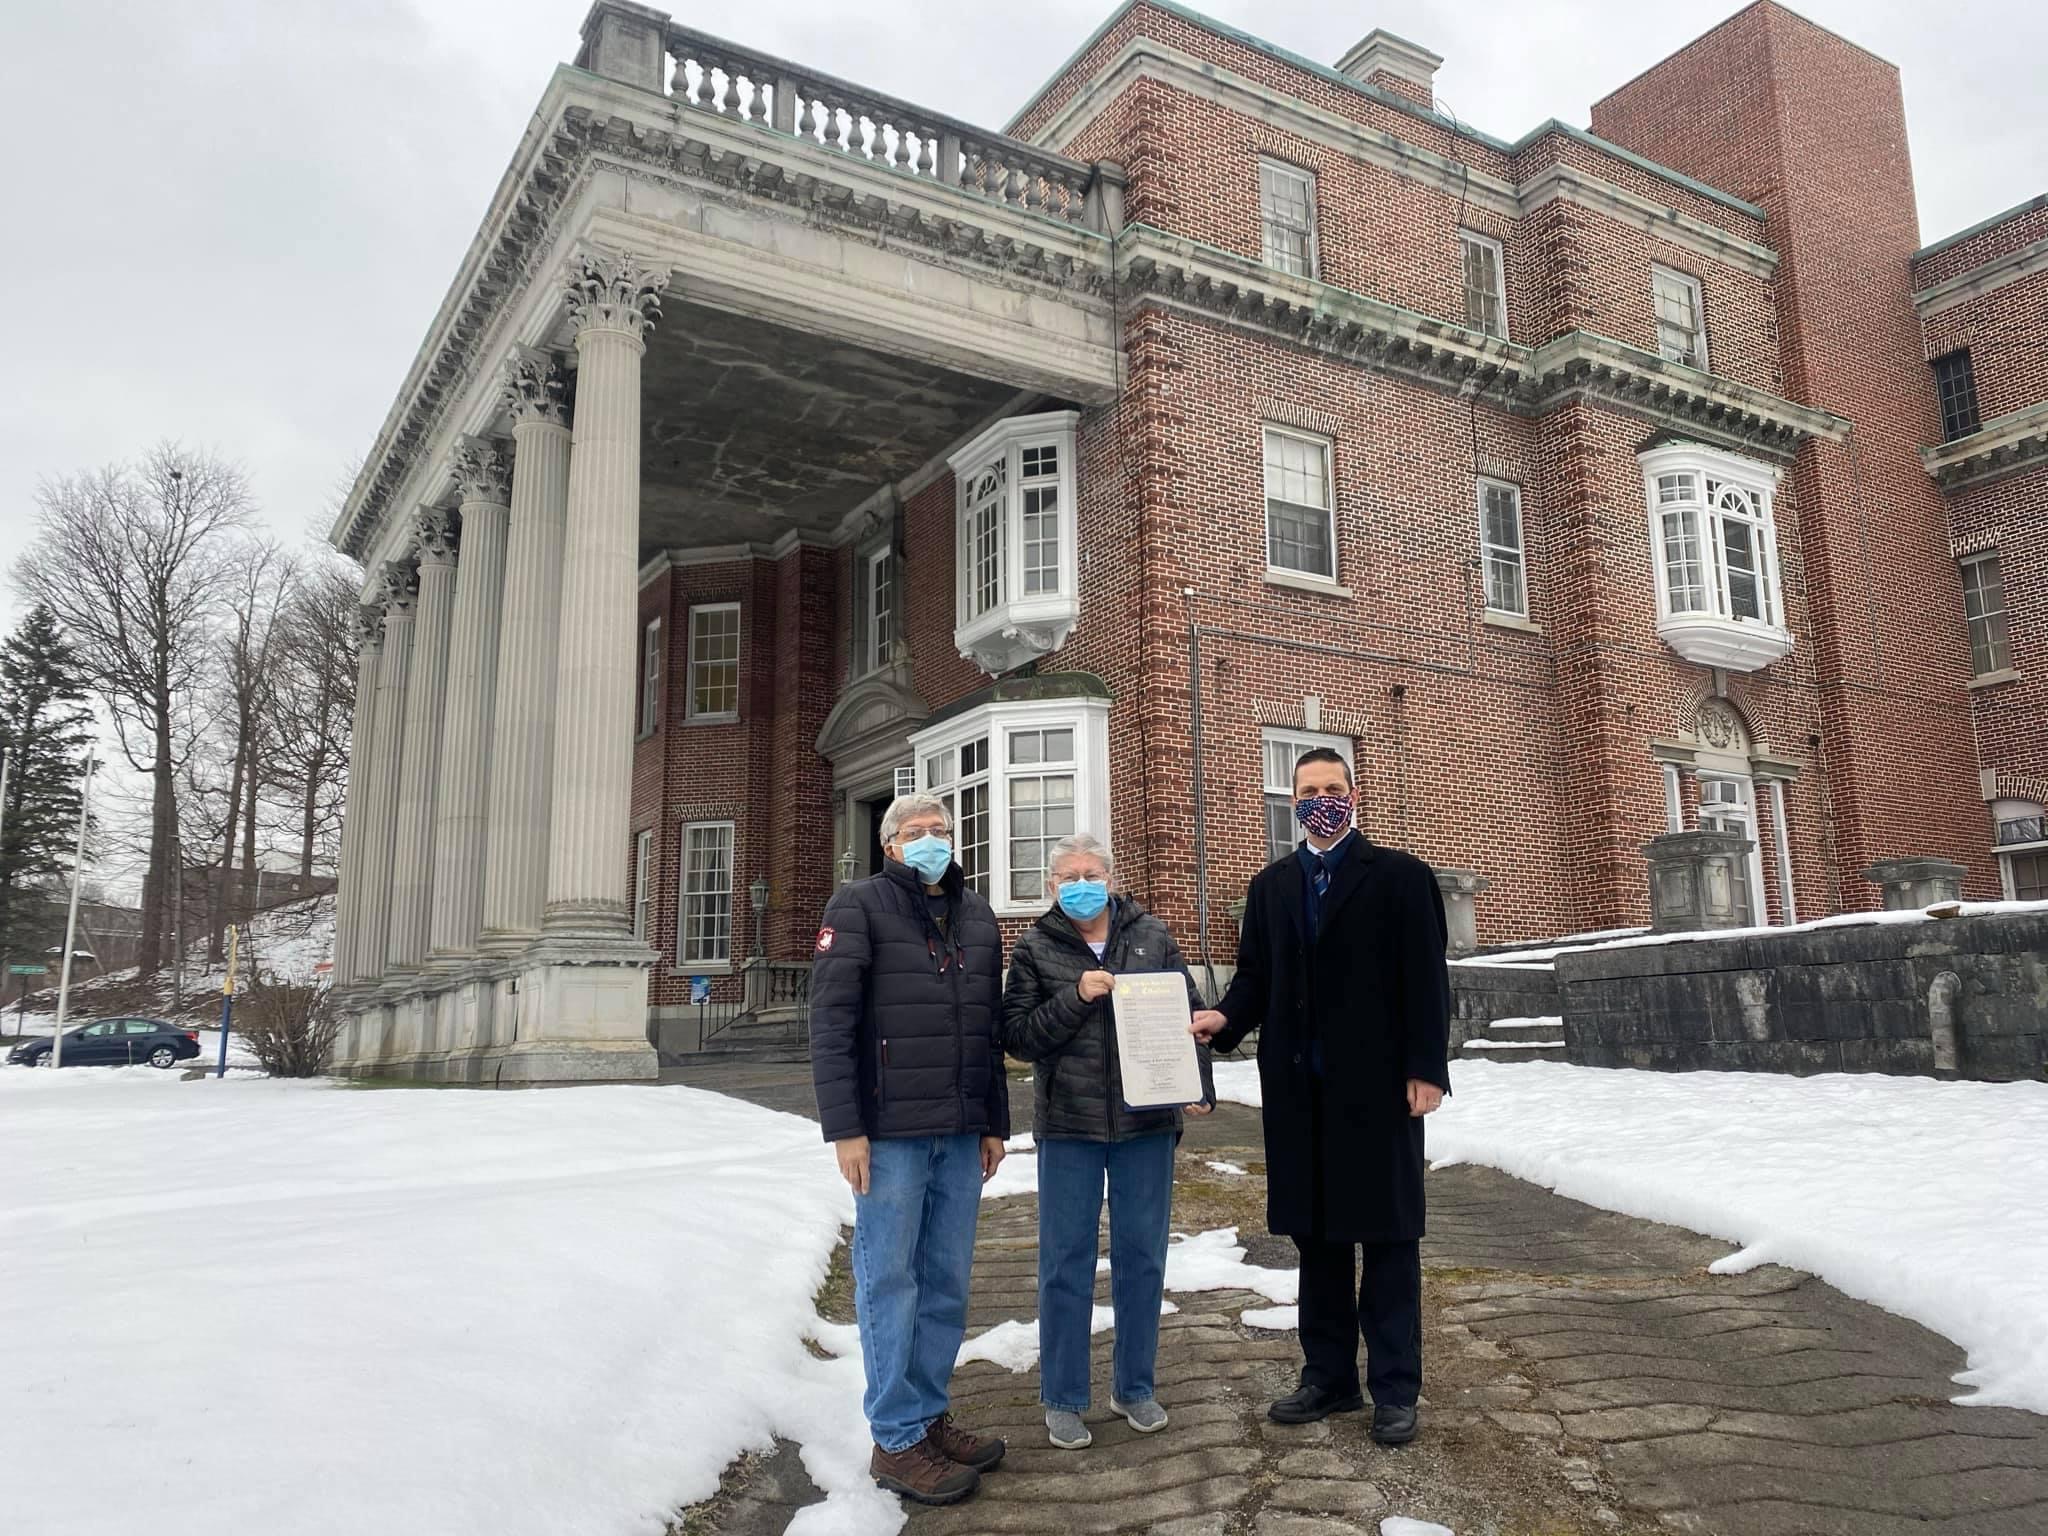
(825, 938)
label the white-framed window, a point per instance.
(1728, 804)
(1984, 612)
(1714, 545)
(704, 915)
(1301, 524)
(650, 677)
(1018, 581)
(878, 590)
(1681, 317)
(715, 661)
(1287, 217)
(1279, 751)
(643, 882)
(1018, 777)
(2020, 838)
(1486, 293)
(1500, 548)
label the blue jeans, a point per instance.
(1071, 1175)
(913, 1249)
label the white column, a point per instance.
(613, 302)
(394, 670)
(1674, 802)
(1782, 835)
(523, 746)
(412, 858)
(356, 797)
(463, 799)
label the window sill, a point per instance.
(1996, 679)
(1300, 582)
(722, 968)
(648, 735)
(1514, 621)
(713, 720)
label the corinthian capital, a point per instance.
(483, 468)
(401, 589)
(370, 625)
(536, 387)
(615, 293)
(435, 536)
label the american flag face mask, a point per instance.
(1323, 815)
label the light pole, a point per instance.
(71, 922)
(757, 893)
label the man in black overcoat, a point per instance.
(1340, 966)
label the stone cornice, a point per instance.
(1997, 448)
(1159, 268)
(1163, 269)
(1144, 58)
(1583, 364)
(1978, 281)
(585, 122)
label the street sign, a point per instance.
(700, 989)
(28, 970)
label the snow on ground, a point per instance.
(1401, 1525)
(1631, 939)
(1214, 1261)
(1230, 1168)
(1927, 1198)
(1510, 1045)
(330, 1310)
(1545, 1021)
(1277, 1319)
(1014, 1345)
(1237, 1082)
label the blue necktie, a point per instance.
(1322, 878)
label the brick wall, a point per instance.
(1812, 129)
(2018, 228)
(2011, 514)
(2006, 331)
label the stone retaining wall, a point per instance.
(1482, 993)
(1850, 998)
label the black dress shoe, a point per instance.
(1393, 1426)
(1309, 1404)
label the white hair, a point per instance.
(1086, 843)
(903, 807)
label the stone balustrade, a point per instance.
(716, 76)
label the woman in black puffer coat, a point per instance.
(1057, 1015)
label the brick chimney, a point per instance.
(1394, 64)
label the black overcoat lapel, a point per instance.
(1344, 884)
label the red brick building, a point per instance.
(1671, 541)
(1578, 488)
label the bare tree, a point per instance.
(264, 579)
(315, 705)
(131, 560)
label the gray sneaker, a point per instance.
(1066, 1430)
(1147, 1418)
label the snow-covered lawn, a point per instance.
(250, 1306)
(1928, 1198)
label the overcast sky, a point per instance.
(232, 220)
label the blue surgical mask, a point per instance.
(930, 856)
(1083, 899)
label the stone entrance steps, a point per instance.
(769, 1036)
(1540, 1039)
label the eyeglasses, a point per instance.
(1100, 878)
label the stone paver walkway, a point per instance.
(1584, 1374)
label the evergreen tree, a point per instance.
(46, 729)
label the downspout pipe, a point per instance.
(1201, 818)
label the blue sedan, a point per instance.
(114, 1043)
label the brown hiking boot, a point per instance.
(923, 1474)
(970, 1450)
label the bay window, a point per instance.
(2020, 838)
(1715, 556)
(1018, 775)
(1018, 568)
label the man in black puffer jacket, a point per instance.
(1057, 1013)
(905, 991)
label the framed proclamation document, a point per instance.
(1153, 1042)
